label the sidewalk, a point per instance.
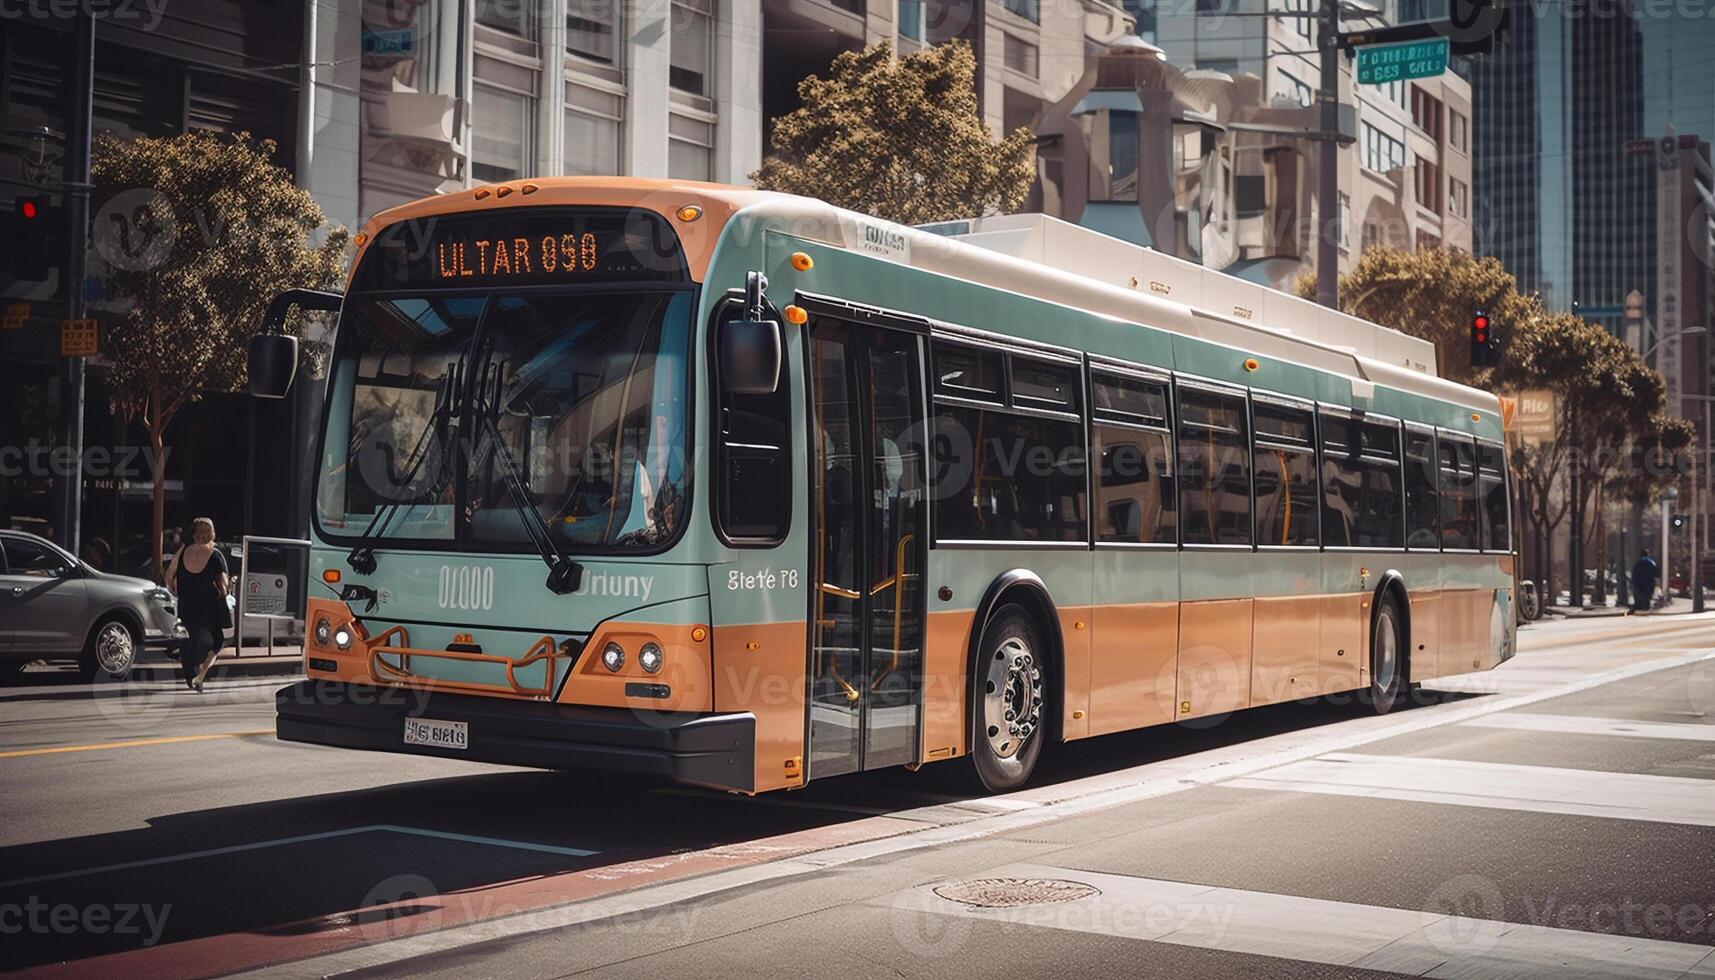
(1677, 606)
(281, 661)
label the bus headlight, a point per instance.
(324, 632)
(613, 657)
(649, 658)
(342, 638)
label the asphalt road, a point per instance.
(1553, 817)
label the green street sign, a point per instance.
(1383, 63)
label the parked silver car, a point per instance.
(54, 606)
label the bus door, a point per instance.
(869, 547)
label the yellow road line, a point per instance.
(128, 744)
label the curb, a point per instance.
(226, 668)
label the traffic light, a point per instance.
(29, 239)
(1485, 343)
(1678, 521)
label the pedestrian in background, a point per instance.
(1644, 575)
(197, 575)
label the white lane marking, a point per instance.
(1058, 802)
(1318, 930)
(303, 839)
(1541, 789)
(1579, 725)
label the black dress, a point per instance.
(200, 601)
(202, 610)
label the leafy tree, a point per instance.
(1431, 293)
(901, 139)
(198, 232)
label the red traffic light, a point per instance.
(28, 209)
(1480, 322)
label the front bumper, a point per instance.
(717, 751)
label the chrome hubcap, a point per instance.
(1012, 698)
(1387, 651)
(113, 648)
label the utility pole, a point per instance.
(1328, 159)
(77, 219)
(1575, 551)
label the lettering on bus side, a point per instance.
(466, 587)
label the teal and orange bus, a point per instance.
(742, 490)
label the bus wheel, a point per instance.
(1387, 657)
(1010, 709)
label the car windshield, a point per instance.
(585, 389)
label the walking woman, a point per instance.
(197, 575)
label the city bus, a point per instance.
(740, 490)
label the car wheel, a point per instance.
(111, 650)
(1009, 712)
(1388, 657)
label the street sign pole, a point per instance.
(70, 483)
(1328, 160)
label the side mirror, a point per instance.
(273, 354)
(750, 356)
(273, 363)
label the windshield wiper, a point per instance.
(564, 574)
(362, 556)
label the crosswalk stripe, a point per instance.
(1541, 789)
(1321, 931)
(1580, 725)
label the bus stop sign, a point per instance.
(1382, 63)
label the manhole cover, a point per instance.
(1000, 893)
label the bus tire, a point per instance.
(1388, 656)
(1009, 710)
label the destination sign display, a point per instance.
(524, 247)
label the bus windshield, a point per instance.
(586, 390)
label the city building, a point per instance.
(679, 88)
(1239, 172)
(221, 65)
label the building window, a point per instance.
(1027, 9)
(911, 19)
(512, 16)
(500, 147)
(1113, 151)
(1302, 25)
(1459, 131)
(692, 57)
(592, 30)
(1426, 113)
(592, 131)
(1214, 468)
(1021, 56)
(690, 148)
(1345, 219)
(1296, 90)
(1458, 197)
(1381, 151)
(1428, 180)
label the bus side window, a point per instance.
(1492, 497)
(1422, 505)
(753, 465)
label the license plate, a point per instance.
(440, 734)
